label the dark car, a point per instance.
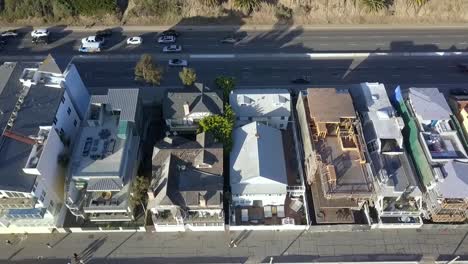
(40, 40)
(300, 81)
(170, 32)
(459, 91)
(463, 67)
(104, 33)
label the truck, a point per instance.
(90, 47)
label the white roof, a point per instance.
(257, 160)
(429, 103)
(455, 184)
(261, 102)
(380, 111)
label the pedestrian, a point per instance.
(75, 256)
(49, 245)
(8, 242)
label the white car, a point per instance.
(172, 48)
(229, 40)
(134, 41)
(40, 33)
(9, 33)
(92, 39)
(166, 39)
(178, 63)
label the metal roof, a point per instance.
(124, 100)
(51, 65)
(262, 102)
(330, 104)
(429, 103)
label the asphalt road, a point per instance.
(252, 247)
(66, 42)
(100, 74)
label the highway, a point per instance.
(66, 42)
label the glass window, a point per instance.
(282, 118)
(55, 120)
(75, 122)
(63, 99)
(35, 186)
(69, 110)
(43, 194)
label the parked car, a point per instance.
(134, 41)
(40, 40)
(172, 48)
(92, 39)
(166, 39)
(9, 33)
(229, 40)
(463, 67)
(459, 91)
(105, 33)
(178, 63)
(300, 81)
(40, 33)
(170, 32)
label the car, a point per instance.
(459, 91)
(170, 32)
(40, 40)
(172, 48)
(178, 63)
(463, 67)
(134, 41)
(40, 33)
(105, 33)
(166, 39)
(300, 81)
(9, 33)
(229, 40)
(92, 39)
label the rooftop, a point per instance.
(199, 98)
(328, 105)
(188, 173)
(261, 102)
(52, 65)
(372, 99)
(104, 136)
(429, 104)
(257, 160)
(24, 110)
(455, 180)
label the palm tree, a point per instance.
(374, 5)
(246, 5)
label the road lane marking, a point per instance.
(380, 44)
(352, 44)
(324, 44)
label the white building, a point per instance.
(38, 128)
(106, 158)
(399, 199)
(268, 106)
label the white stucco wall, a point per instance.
(267, 199)
(78, 91)
(65, 121)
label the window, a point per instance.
(43, 194)
(282, 118)
(63, 99)
(69, 110)
(75, 122)
(281, 125)
(51, 206)
(62, 132)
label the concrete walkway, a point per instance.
(257, 247)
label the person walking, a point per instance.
(49, 245)
(8, 242)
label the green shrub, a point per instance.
(187, 76)
(375, 5)
(147, 71)
(283, 12)
(157, 7)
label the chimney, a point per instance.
(186, 109)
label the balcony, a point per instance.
(402, 206)
(106, 202)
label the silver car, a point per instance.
(166, 39)
(172, 48)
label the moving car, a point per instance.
(170, 32)
(172, 48)
(229, 40)
(300, 81)
(459, 91)
(92, 39)
(40, 33)
(40, 40)
(134, 41)
(166, 39)
(178, 63)
(104, 33)
(9, 33)
(463, 67)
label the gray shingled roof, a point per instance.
(429, 103)
(125, 100)
(199, 98)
